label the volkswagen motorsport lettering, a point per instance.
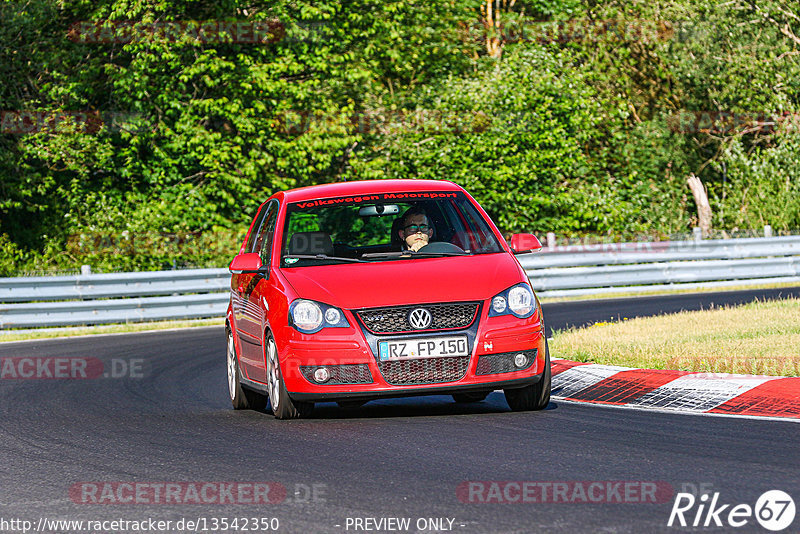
(356, 291)
(374, 198)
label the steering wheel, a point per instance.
(441, 246)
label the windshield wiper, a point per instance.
(321, 257)
(411, 253)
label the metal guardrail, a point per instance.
(91, 299)
(96, 286)
(559, 271)
(639, 267)
(133, 310)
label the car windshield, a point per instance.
(384, 227)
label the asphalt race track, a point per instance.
(350, 470)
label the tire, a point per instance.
(533, 397)
(282, 406)
(241, 398)
(472, 396)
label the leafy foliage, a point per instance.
(762, 187)
(572, 123)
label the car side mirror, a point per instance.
(524, 243)
(249, 263)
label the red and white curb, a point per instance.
(709, 393)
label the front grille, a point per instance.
(340, 374)
(395, 320)
(424, 371)
(491, 364)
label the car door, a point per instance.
(256, 291)
(240, 282)
(251, 319)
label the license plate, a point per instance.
(429, 347)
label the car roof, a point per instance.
(364, 187)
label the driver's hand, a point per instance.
(418, 245)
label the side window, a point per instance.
(251, 240)
(261, 232)
(266, 235)
(485, 240)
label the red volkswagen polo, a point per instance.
(355, 291)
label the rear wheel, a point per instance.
(533, 397)
(241, 398)
(476, 396)
(282, 406)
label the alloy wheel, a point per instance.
(273, 375)
(231, 367)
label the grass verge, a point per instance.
(46, 333)
(760, 338)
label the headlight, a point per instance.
(309, 316)
(520, 300)
(517, 301)
(306, 316)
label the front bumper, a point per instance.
(414, 392)
(493, 343)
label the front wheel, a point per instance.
(282, 406)
(533, 397)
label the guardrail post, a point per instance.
(767, 231)
(698, 233)
(86, 270)
(551, 241)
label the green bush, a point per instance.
(576, 135)
(762, 187)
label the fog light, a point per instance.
(520, 360)
(322, 374)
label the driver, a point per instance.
(415, 230)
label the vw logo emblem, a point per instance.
(420, 319)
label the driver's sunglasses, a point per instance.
(414, 228)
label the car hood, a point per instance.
(397, 282)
